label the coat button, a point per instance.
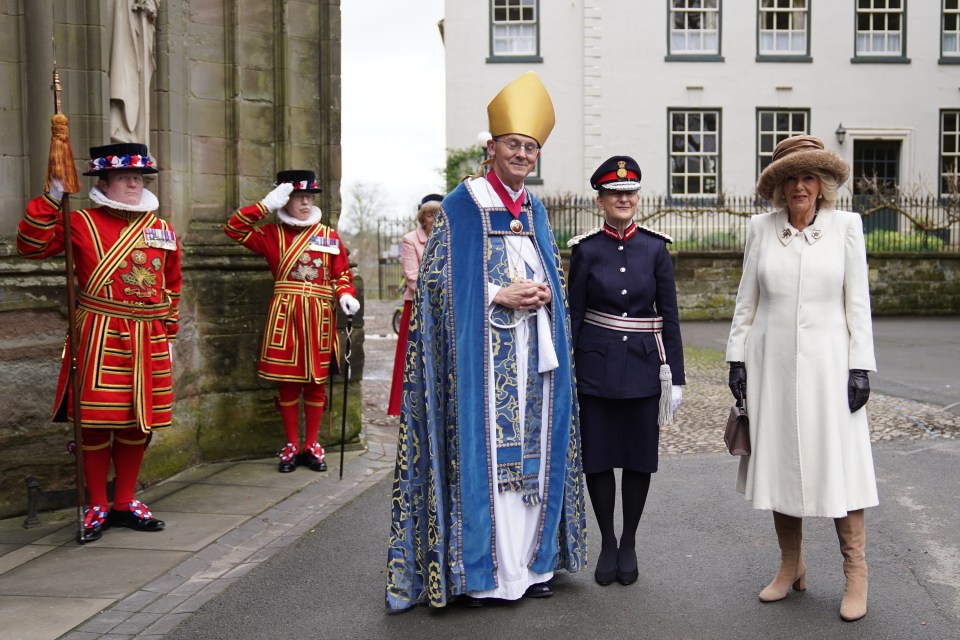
(620, 248)
(624, 338)
(624, 292)
(622, 269)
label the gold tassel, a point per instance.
(60, 165)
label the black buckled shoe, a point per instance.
(289, 458)
(469, 601)
(94, 524)
(137, 517)
(313, 457)
(538, 590)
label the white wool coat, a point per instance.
(802, 321)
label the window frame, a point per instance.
(779, 56)
(699, 56)
(954, 57)
(775, 110)
(940, 153)
(717, 173)
(882, 58)
(507, 58)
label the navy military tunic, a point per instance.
(618, 379)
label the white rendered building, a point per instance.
(700, 91)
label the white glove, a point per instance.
(677, 396)
(56, 189)
(276, 199)
(170, 351)
(349, 304)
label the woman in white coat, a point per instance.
(802, 330)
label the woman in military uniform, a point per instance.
(629, 358)
(309, 264)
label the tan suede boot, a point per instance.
(853, 541)
(792, 570)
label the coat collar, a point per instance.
(786, 231)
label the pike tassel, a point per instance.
(60, 165)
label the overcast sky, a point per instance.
(393, 100)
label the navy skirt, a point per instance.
(619, 433)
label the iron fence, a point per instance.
(891, 224)
(390, 275)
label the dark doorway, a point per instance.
(876, 172)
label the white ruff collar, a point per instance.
(286, 218)
(148, 202)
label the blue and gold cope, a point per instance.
(442, 534)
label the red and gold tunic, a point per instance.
(310, 272)
(128, 271)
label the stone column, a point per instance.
(38, 22)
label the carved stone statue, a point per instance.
(132, 63)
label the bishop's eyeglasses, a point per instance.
(529, 148)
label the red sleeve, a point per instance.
(172, 282)
(242, 228)
(340, 269)
(40, 234)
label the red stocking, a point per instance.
(314, 400)
(128, 448)
(96, 463)
(290, 410)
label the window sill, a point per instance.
(693, 57)
(949, 60)
(533, 180)
(783, 58)
(880, 60)
(508, 59)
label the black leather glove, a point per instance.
(858, 389)
(738, 380)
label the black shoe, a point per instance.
(138, 519)
(606, 571)
(469, 601)
(91, 534)
(627, 570)
(312, 456)
(538, 590)
(287, 466)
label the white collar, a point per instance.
(148, 201)
(286, 218)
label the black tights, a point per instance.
(603, 496)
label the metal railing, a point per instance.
(891, 224)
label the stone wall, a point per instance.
(243, 88)
(900, 284)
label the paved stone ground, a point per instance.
(706, 399)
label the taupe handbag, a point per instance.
(736, 435)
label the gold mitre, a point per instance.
(522, 107)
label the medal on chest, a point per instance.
(160, 239)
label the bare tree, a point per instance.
(358, 228)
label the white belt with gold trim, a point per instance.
(631, 325)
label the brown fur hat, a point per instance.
(796, 155)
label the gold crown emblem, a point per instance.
(621, 171)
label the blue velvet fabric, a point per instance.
(441, 539)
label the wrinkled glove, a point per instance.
(276, 199)
(858, 389)
(56, 189)
(738, 380)
(677, 396)
(349, 304)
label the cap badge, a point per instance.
(621, 170)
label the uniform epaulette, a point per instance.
(654, 233)
(583, 236)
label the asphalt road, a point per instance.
(917, 358)
(704, 556)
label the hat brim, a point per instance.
(100, 172)
(316, 190)
(799, 162)
(621, 185)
